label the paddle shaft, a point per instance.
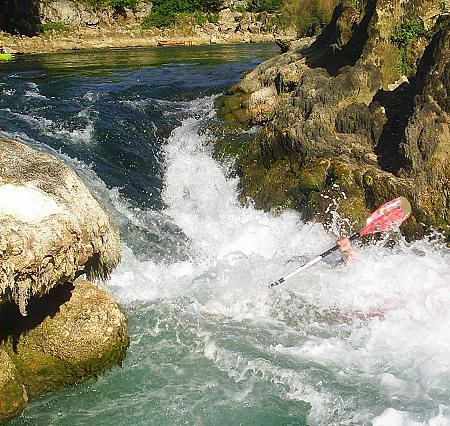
(310, 263)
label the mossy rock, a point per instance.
(13, 396)
(233, 108)
(341, 175)
(273, 188)
(312, 176)
(233, 148)
(352, 207)
(74, 333)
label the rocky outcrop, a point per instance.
(337, 125)
(54, 330)
(77, 14)
(51, 228)
(71, 25)
(75, 332)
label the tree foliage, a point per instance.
(164, 12)
(270, 6)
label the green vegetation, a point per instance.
(200, 18)
(213, 18)
(402, 36)
(96, 4)
(307, 15)
(407, 31)
(52, 26)
(270, 6)
(165, 12)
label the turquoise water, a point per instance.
(210, 343)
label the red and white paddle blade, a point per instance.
(392, 213)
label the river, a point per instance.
(363, 342)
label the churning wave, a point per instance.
(366, 341)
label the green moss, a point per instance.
(273, 188)
(12, 394)
(312, 176)
(407, 31)
(404, 37)
(44, 372)
(232, 108)
(341, 176)
(368, 180)
(234, 148)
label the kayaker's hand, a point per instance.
(344, 245)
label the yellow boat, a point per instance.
(7, 57)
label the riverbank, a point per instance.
(97, 38)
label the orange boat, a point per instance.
(175, 43)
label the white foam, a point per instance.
(380, 321)
(26, 204)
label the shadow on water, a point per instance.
(20, 16)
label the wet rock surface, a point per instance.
(13, 396)
(341, 125)
(75, 332)
(54, 331)
(56, 232)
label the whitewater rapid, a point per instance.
(365, 342)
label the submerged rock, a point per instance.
(75, 332)
(13, 396)
(341, 125)
(51, 228)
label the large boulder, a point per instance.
(75, 332)
(79, 14)
(13, 396)
(342, 125)
(54, 329)
(51, 228)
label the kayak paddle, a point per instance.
(394, 212)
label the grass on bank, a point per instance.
(97, 4)
(52, 26)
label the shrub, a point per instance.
(52, 26)
(200, 18)
(270, 6)
(164, 12)
(213, 18)
(403, 34)
(406, 31)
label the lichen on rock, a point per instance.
(53, 231)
